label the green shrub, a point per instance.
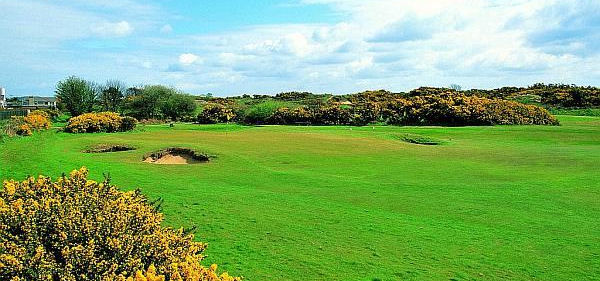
(78, 229)
(261, 112)
(128, 124)
(158, 102)
(15, 126)
(178, 106)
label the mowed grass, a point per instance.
(341, 203)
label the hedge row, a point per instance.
(550, 95)
(461, 110)
(450, 109)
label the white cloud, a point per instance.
(394, 44)
(188, 59)
(361, 64)
(167, 28)
(113, 29)
(296, 44)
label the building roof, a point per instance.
(38, 98)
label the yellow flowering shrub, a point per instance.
(40, 112)
(185, 271)
(78, 229)
(24, 130)
(108, 122)
(213, 113)
(38, 121)
(456, 109)
(46, 112)
(24, 126)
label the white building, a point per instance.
(2, 98)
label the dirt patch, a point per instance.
(105, 148)
(176, 156)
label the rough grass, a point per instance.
(340, 203)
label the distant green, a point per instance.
(356, 203)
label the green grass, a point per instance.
(577, 112)
(342, 203)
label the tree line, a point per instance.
(421, 106)
(78, 96)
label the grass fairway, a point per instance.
(340, 203)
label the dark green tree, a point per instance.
(148, 102)
(76, 95)
(177, 106)
(110, 95)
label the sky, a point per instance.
(323, 46)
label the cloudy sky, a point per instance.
(335, 46)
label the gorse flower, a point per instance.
(24, 126)
(78, 229)
(108, 122)
(216, 113)
(424, 106)
(38, 121)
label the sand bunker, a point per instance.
(105, 148)
(176, 156)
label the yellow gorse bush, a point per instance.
(24, 126)
(457, 109)
(185, 271)
(108, 122)
(216, 113)
(78, 229)
(38, 121)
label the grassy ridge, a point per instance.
(341, 203)
(577, 112)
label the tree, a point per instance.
(148, 102)
(456, 87)
(111, 95)
(76, 95)
(135, 90)
(177, 105)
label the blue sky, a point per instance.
(333, 46)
